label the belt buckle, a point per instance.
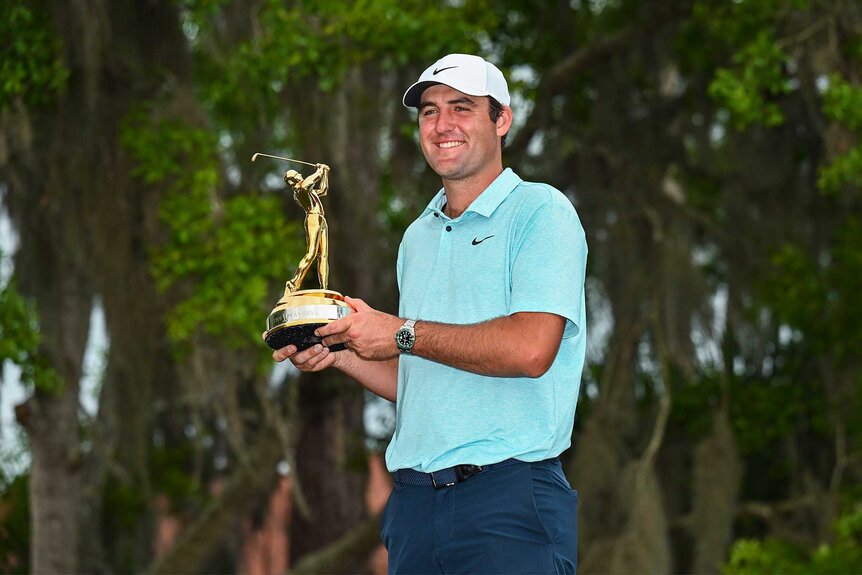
(462, 473)
(466, 471)
(442, 485)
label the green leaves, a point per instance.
(821, 297)
(19, 330)
(223, 255)
(842, 103)
(309, 45)
(751, 557)
(20, 340)
(843, 171)
(30, 62)
(234, 261)
(749, 89)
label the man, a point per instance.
(485, 362)
(307, 193)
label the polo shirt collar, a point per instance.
(488, 200)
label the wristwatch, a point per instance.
(405, 337)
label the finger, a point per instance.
(357, 304)
(284, 352)
(307, 355)
(337, 326)
(321, 353)
(336, 339)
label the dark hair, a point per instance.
(495, 110)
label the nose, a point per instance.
(445, 122)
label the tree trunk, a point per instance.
(51, 265)
(717, 476)
(85, 224)
(51, 418)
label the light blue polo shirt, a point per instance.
(519, 247)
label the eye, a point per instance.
(428, 111)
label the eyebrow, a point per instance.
(461, 100)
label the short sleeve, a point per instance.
(548, 264)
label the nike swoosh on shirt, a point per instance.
(438, 70)
(477, 241)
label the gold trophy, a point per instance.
(299, 312)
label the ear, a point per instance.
(504, 122)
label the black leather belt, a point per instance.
(446, 477)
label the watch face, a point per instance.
(404, 339)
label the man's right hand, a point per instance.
(379, 377)
(315, 358)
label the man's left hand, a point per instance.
(368, 333)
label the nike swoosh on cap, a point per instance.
(438, 70)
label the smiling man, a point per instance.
(484, 361)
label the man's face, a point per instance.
(457, 136)
(292, 177)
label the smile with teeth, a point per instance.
(449, 144)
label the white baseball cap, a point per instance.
(469, 74)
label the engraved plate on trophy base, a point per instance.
(296, 316)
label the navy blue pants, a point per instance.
(516, 519)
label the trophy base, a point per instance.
(297, 315)
(302, 336)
